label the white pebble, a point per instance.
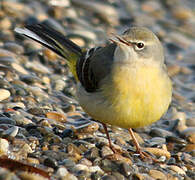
(4, 94)
(4, 145)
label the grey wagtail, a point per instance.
(124, 83)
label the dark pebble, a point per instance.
(96, 176)
(29, 79)
(36, 111)
(68, 133)
(158, 132)
(109, 166)
(16, 48)
(6, 60)
(92, 154)
(68, 163)
(125, 169)
(50, 162)
(108, 177)
(5, 120)
(171, 161)
(175, 139)
(118, 176)
(4, 84)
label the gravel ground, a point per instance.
(44, 133)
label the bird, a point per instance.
(123, 83)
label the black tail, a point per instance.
(51, 39)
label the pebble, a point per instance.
(6, 120)
(177, 169)
(32, 176)
(4, 147)
(106, 151)
(50, 162)
(13, 47)
(5, 23)
(156, 174)
(38, 67)
(158, 132)
(125, 169)
(190, 122)
(159, 152)
(19, 68)
(4, 94)
(11, 132)
(188, 131)
(56, 116)
(106, 12)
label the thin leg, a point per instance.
(115, 150)
(138, 148)
(109, 141)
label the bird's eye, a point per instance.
(140, 45)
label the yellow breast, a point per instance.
(141, 95)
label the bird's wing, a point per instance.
(94, 66)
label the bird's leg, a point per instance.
(109, 141)
(138, 148)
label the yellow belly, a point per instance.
(140, 97)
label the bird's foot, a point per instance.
(145, 155)
(116, 150)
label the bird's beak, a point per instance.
(120, 41)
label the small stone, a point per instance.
(92, 153)
(6, 120)
(108, 177)
(182, 13)
(188, 131)
(190, 122)
(56, 116)
(156, 174)
(38, 67)
(95, 169)
(50, 54)
(30, 176)
(4, 94)
(118, 176)
(50, 162)
(68, 163)
(118, 157)
(16, 48)
(24, 150)
(125, 169)
(158, 152)
(11, 132)
(62, 172)
(177, 169)
(78, 41)
(15, 104)
(86, 162)
(156, 141)
(191, 138)
(4, 146)
(70, 177)
(59, 85)
(32, 160)
(19, 68)
(158, 132)
(105, 151)
(5, 23)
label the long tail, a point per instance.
(55, 41)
